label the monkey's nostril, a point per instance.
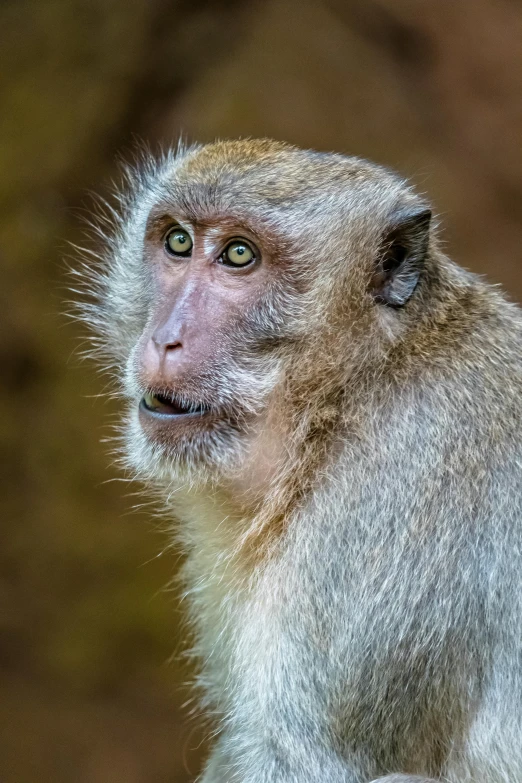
(165, 346)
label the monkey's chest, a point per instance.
(378, 664)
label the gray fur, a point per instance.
(379, 630)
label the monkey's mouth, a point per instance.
(164, 406)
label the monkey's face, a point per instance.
(206, 298)
(245, 282)
(204, 364)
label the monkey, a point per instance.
(329, 409)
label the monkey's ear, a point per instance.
(401, 257)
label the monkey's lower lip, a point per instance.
(160, 405)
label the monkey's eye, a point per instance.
(178, 242)
(237, 254)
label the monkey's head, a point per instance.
(248, 281)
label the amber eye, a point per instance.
(178, 242)
(237, 254)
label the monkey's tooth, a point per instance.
(150, 401)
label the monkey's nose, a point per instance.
(168, 350)
(163, 347)
(160, 358)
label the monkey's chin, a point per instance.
(184, 442)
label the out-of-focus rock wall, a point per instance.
(90, 672)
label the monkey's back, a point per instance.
(411, 553)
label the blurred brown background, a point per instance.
(91, 674)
